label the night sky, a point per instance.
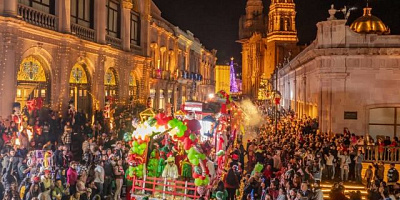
(216, 22)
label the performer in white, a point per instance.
(170, 171)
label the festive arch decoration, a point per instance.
(78, 75)
(31, 70)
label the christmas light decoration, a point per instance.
(234, 87)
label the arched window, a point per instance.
(79, 86)
(32, 81)
(110, 78)
(78, 75)
(111, 82)
(31, 70)
(288, 25)
(133, 86)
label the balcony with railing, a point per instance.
(37, 17)
(115, 42)
(385, 154)
(83, 32)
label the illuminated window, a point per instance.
(82, 12)
(19, 93)
(78, 75)
(31, 70)
(110, 78)
(113, 18)
(42, 93)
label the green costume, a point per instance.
(160, 167)
(186, 170)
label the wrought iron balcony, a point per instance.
(83, 32)
(37, 17)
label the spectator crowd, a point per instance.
(74, 158)
(289, 163)
(49, 157)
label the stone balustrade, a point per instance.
(37, 17)
(115, 42)
(83, 32)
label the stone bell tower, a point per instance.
(282, 33)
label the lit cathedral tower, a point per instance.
(282, 33)
(266, 41)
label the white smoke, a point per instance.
(252, 116)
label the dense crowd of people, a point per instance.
(289, 163)
(47, 156)
(51, 157)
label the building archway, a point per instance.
(33, 81)
(111, 83)
(79, 86)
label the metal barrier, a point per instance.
(168, 187)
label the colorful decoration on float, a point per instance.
(179, 131)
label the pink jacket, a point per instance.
(72, 176)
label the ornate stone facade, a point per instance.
(85, 58)
(266, 41)
(346, 79)
(182, 69)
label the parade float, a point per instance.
(195, 146)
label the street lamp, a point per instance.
(277, 97)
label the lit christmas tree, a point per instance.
(234, 88)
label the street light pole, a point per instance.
(276, 106)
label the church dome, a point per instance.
(369, 24)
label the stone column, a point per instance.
(64, 16)
(98, 81)
(126, 24)
(124, 81)
(63, 79)
(324, 104)
(145, 19)
(10, 8)
(9, 70)
(293, 23)
(100, 20)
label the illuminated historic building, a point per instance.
(89, 51)
(266, 41)
(222, 78)
(348, 77)
(181, 68)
